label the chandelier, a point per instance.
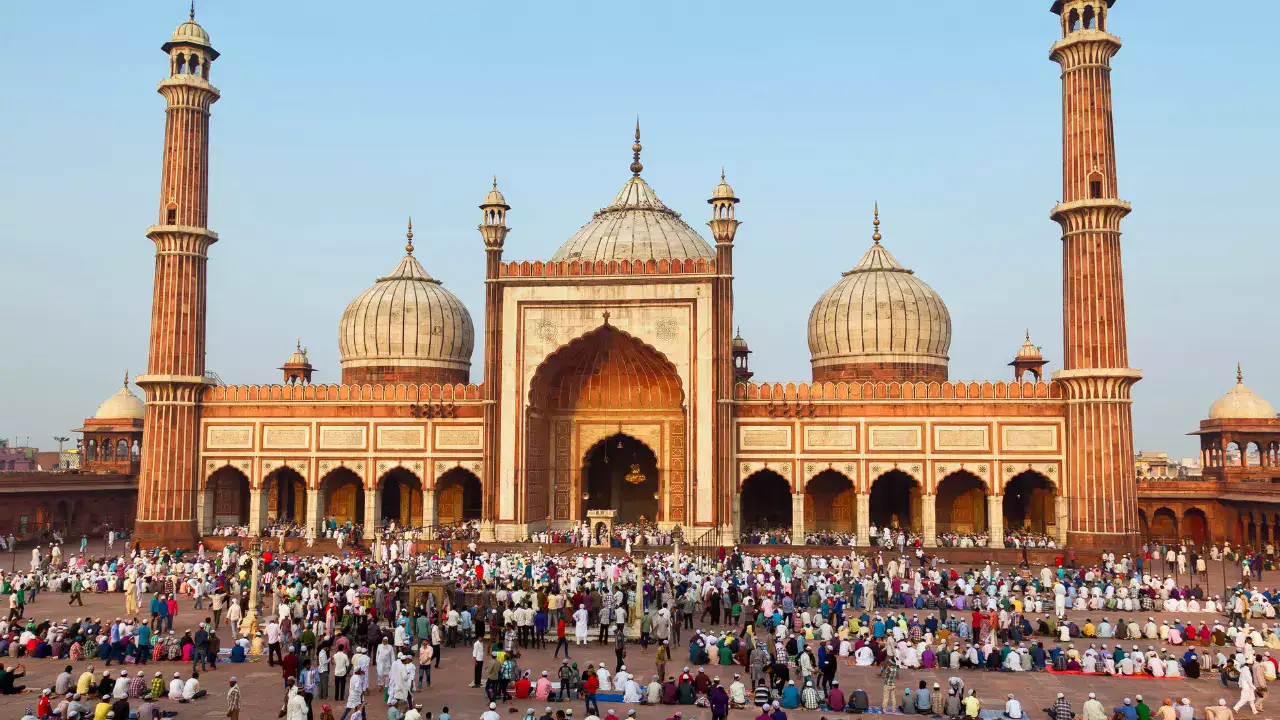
(635, 476)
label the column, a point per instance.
(372, 509)
(863, 519)
(205, 506)
(257, 511)
(1063, 507)
(315, 513)
(737, 517)
(995, 520)
(797, 519)
(428, 508)
(929, 519)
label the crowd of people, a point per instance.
(773, 627)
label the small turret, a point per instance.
(297, 369)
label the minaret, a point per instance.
(169, 477)
(1100, 488)
(493, 228)
(723, 227)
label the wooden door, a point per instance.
(449, 505)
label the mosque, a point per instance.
(614, 385)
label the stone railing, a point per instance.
(344, 393)
(898, 391)
(589, 268)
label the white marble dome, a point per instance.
(1241, 403)
(879, 314)
(635, 226)
(406, 320)
(124, 405)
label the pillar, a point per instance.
(863, 519)
(315, 513)
(797, 519)
(429, 508)
(372, 509)
(995, 520)
(737, 517)
(1061, 520)
(929, 520)
(206, 509)
(257, 510)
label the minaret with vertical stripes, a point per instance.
(724, 228)
(170, 476)
(1099, 482)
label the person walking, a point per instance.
(233, 700)
(1248, 692)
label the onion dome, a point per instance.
(1029, 351)
(299, 356)
(739, 344)
(494, 197)
(636, 226)
(190, 33)
(406, 328)
(124, 405)
(723, 191)
(1240, 403)
(879, 322)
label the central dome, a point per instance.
(881, 323)
(635, 226)
(1241, 403)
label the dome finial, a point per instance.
(408, 246)
(192, 15)
(1239, 374)
(1028, 334)
(126, 378)
(495, 181)
(876, 223)
(636, 167)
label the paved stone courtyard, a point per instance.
(263, 690)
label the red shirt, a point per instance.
(560, 628)
(591, 685)
(522, 688)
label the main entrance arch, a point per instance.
(621, 473)
(895, 501)
(829, 503)
(603, 380)
(1029, 503)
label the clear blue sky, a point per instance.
(338, 120)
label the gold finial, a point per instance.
(1028, 334)
(721, 173)
(299, 343)
(192, 15)
(876, 224)
(495, 182)
(636, 167)
(1239, 375)
(408, 246)
(126, 379)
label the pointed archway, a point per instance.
(458, 497)
(1029, 503)
(962, 503)
(765, 502)
(895, 501)
(227, 496)
(286, 495)
(830, 503)
(342, 492)
(400, 498)
(605, 377)
(621, 473)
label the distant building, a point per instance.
(1151, 464)
(17, 459)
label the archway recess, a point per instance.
(286, 495)
(962, 503)
(1030, 503)
(227, 494)
(605, 377)
(895, 501)
(401, 494)
(621, 473)
(1164, 524)
(765, 502)
(458, 497)
(343, 495)
(829, 503)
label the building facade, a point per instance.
(613, 379)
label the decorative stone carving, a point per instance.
(667, 328)
(831, 437)
(894, 438)
(1030, 437)
(971, 437)
(591, 433)
(401, 438)
(342, 437)
(286, 437)
(764, 438)
(327, 466)
(229, 437)
(459, 438)
(244, 465)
